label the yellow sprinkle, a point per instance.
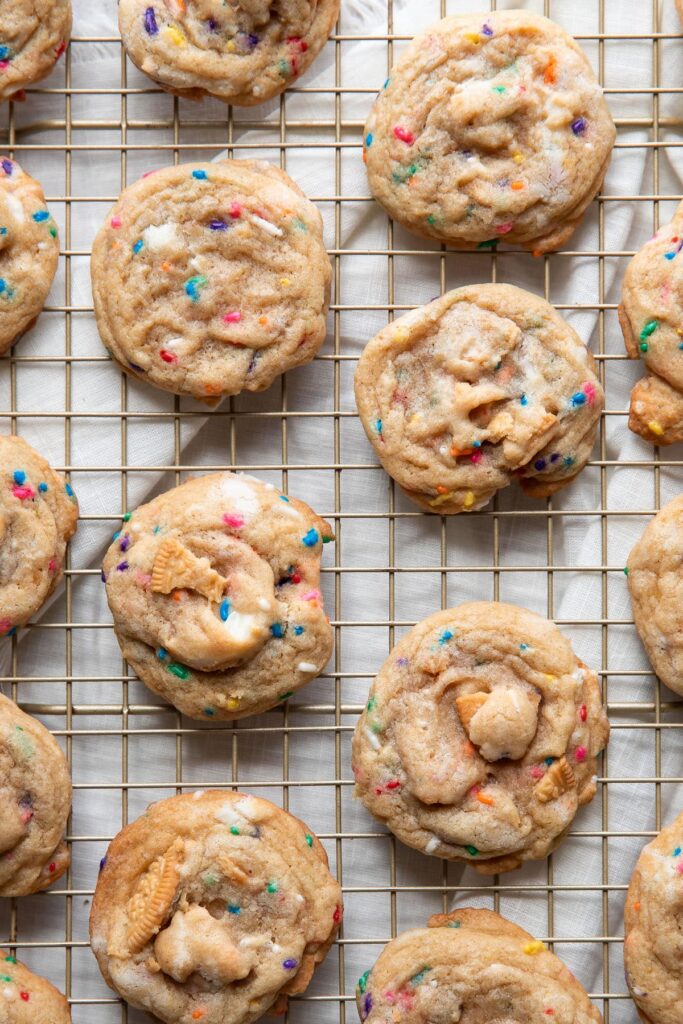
(473, 37)
(285, 282)
(655, 428)
(441, 499)
(231, 47)
(532, 948)
(468, 500)
(175, 35)
(414, 417)
(233, 703)
(518, 158)
(550, 679)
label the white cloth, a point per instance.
(94, 393)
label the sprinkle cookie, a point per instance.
(479, 738)
(483, 385)
(471, 965)
(214, 589)
(26, 998)
(29, 249)
(654, 580)
(33, 36)
(213, 906)
(653, 950)
(490, 127)
(38, 516)
(651, 314)
(212, 278)
(35, 801)
(240, 53)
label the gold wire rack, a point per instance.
(411, 888)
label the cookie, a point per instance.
(33, 36)
(653, 947)
(26, 998)
(481, 386)
(213, 906)
(471, 965)
(29, 249)
(654, 581)
(241, 53)
(651, 314)
(214, 589)
(210, 279)
(490, 127)
(479, 739)
(35, 801)
(38, 516)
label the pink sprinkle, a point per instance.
(393, 784)
(475, 457)
(583, 712)
(148, 174)
(4, 64)
(23, 492)
(143, 578)
(389, 996)
(235, 522)
(235, 210)
(5, 626)
(116, 222)
(52, 565)
(537, 772)
(679, 869)
(404, 135)
(232, 318)
(312, 595)
(589, 392)
(580, 754)
(168, 357)
(60, 49)
(26, 817)
(503, 229)
(665, 293)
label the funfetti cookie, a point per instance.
(651, 318)
(33, 36)
(480, 735)
(483, 386)
(213, 906)
(491, 127)
(241, 53)
(212, 278)
(35, 801)
(38, 516)
(26, 998)
(29, 249)
(215, 591)
(471, 965)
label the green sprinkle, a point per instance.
(127, 516)
(372, 703)
(498, 88)
(417, 978)
(649, 328)
(5, 977)
(283, 67)
(327, 540)
(376, 727)
(286, 696)
(178, 670)
(309, 839)
(363, 982)
(625, 570)
(490, 244)
(53, 232)
(431, 219)
(272, 887)
(644, 346)
(300, 225)
(453, 924)
(472, 850)
(209, 879)
(234, 830)
(10, 959)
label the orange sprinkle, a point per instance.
(457, 452)
(484, 799)
(440, 489)
(517, 185)
(468, 749)
(213, 389)
(181, 8)
(198, 1014)
(166, 266)
(116, 245)
(178, 595)
(550, 72)
(263, 320)
(537, 252)
(636, 907)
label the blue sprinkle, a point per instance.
(4, 52)
(677, 852)
(476, 444)
(43, 488)
(209, 711)
(368, 139)
(549, 760)
(298, 630)
(3, 231)
(386, 83)
(3, 285)
(445, 637)
(161, 654)
(138, 245)
(311, 538)
(289, 965)
(487, 30)
(150, 22)
(524, 400)
(524, 647)
(283, 497)
(224, 609)
(69, 490)
(199, 175)
(102, 863)
(277, 630)
(19, 476)
(233, 909)
(378, 426)
(218, 225)
(40, 216)
(122, 566)
(539, 464)
(568, 461)
(116, 535)
(554, 457)
(669, 255)
(578, 398)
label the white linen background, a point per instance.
(95, 388)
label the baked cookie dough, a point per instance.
(653, 949)
(656, 587)
(38, 516)
(479, 739)
(212, 278)
(213, 906)
(491, 127)
(481, 386)
(214, 589)
(651, 315)
(471, 965)
(35, 801)
(241, 53)
(26, 998)
(29, 249)
(33, 36)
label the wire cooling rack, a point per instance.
(126, 749)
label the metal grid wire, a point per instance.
(131, 717)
